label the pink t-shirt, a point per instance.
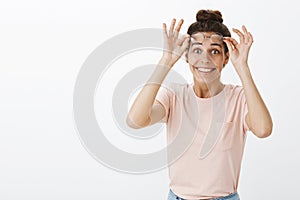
(208, 137)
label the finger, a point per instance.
(182, 39)
(250, 38)
(246, 35)
(178, 27)
(172, 27)
(233, 41)
(240, 34)
(185, 44)
(229, 45)
(165, 31)
(244, 29)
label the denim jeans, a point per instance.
(233, 196)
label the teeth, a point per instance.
(201, 69)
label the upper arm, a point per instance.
(248, 121)
(160, 109)
(158, 113)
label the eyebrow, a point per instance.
(212, 44)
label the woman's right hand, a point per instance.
(174, 47)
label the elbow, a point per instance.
(261, 129)
(135, 124)
(130, 123)
(263, 132)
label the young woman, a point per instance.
(218, 114)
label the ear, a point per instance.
(226, 59)
(186, 56)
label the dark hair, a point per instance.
(209, 21)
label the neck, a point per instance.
(204, 90)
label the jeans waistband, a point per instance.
(232, 196)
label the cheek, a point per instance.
(192, 59)
(217, 59)
(221, 63)
(191, 67)
(221, 59)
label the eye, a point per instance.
(197, 51)
(215, 51)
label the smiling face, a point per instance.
(206, 56)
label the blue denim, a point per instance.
(233, 196)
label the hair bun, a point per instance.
(204, 15)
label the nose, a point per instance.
(204, 57)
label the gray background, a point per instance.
(43, 45)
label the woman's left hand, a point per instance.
(239, 51)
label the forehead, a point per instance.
(200, 35)
(210, 38)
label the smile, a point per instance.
(205, 69)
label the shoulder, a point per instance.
(235, 94)
(235, 90)
(176, 88)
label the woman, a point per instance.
(219, 114)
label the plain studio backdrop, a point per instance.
(43, 45)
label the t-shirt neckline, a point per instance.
(209, 99)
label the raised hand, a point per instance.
(174, 47)
(239, 51)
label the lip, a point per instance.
(205, 67)
(203, 72)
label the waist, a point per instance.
(232, 196)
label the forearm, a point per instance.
(140, 110)
(258, 114)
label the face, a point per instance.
(206, 56)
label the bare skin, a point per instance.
(146, 111)
(258, 118)
(210, 56)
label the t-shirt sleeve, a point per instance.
(244, 111)
(164, 96)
